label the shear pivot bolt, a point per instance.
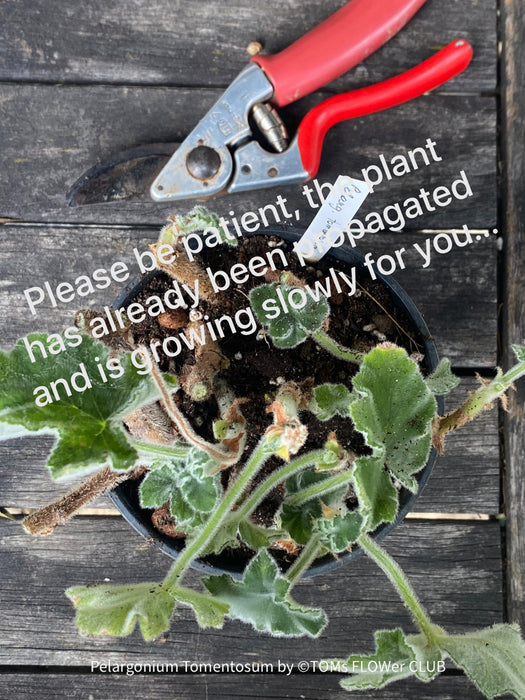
(203, 162)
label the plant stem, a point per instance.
(303, 561)
(224, 457)
(195, 546)
(271, 482)
(176, 451)
(44, 520)
(319, 489)
(324, 340)
(477, 402)
(407, 594)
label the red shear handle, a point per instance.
(338, 44)
(433, 72)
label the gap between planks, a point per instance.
(415, 515)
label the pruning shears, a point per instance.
(242, 143)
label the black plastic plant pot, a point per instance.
(125, 496)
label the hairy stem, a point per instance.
(177, 451)
(319, 489)
(225, 457)
(396, 576)
(273, 480)
(45, 520)
(195, 546)
(323, 339)
(309, 553)
(477, 402)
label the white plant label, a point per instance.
(329, 225)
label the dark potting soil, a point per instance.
(256, 369)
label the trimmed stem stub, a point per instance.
(480, 400)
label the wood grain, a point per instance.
(465, 480)
(456, 293)
(204, 42)
(53, 134)
(23, 686)
(454, 567)
(514, 276)
(81, 82)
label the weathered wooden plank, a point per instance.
(514, 276)
(24, 686)
(465, 480)
(32, 256)
(204, 42)
(52, 134)
(456, 293)
(455, 568)
(472, 457)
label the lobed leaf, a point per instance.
(390, 662)
(331, 400)
(226, 535)
(191, 491)
(300, 521)
(396, 657)
(229, 532)
(394, 413)
(115, 610)
(442, 380)
(292, 328)
(256, 536)
(208, 611)
(88, 423)
(493, 658)
(262, 600)
(377, 495)
(340, 532)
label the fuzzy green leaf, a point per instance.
(429, 657)
(115, 610)
(331, 400)
(225, 536)
(198, 487)
(292, 328)
(332, 457)
(157, 486)
(198, 219)
(208, 611)
(396, 657)
(261, 599)
(256, 536)
(394, 413)
(378, 498)
(340, 532)
(187, 518)
(519, 351)
(299, 521)
(493, 658)
(88, 423)
(190, 490)
(390, 662)
(442, 380)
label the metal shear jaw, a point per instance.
(220, 154)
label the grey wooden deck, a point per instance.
(80, 82)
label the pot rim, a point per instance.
(140, 519)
